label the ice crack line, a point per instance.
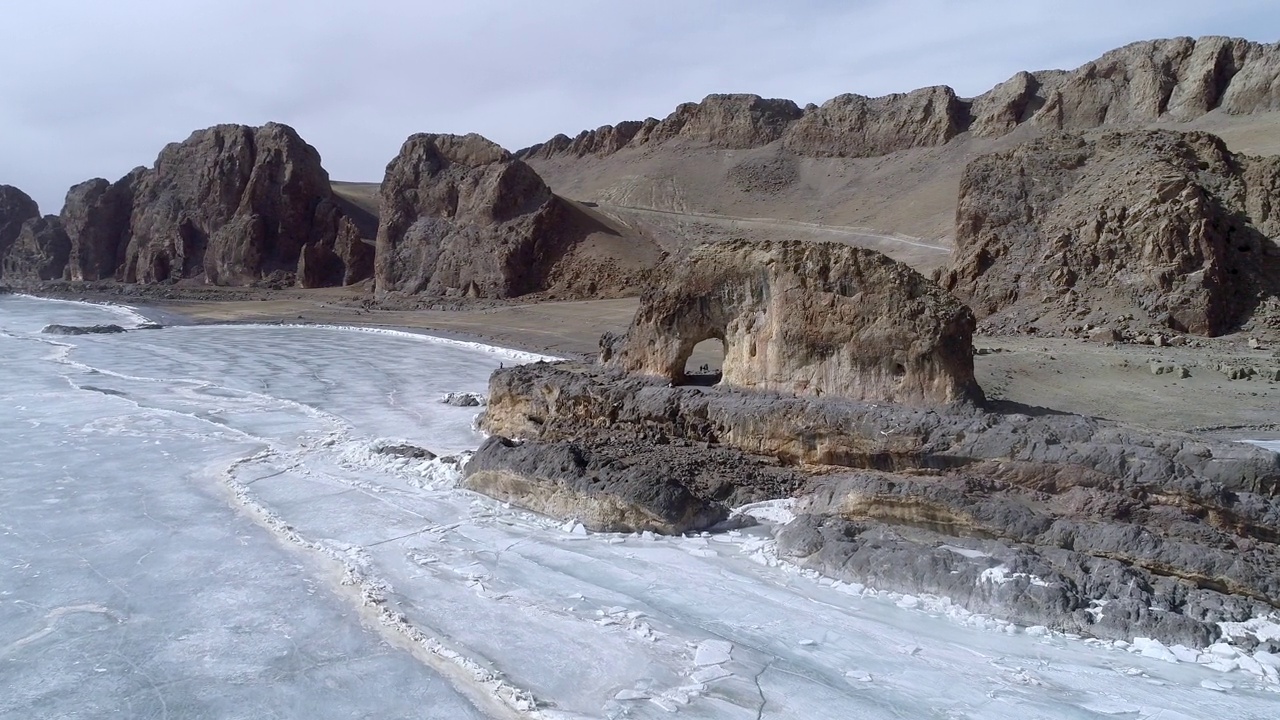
(373, 594)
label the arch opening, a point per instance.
(705, 363)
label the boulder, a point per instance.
(820, 319)
(82, 329)
(40, 251)
(1170, 222)
(16, 207)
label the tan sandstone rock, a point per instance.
(820, 319)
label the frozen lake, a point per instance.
(196, 523)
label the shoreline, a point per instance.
(1019, 373)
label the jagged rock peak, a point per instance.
(1170, 222)
(822, 319)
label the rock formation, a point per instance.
(233, 203)
(461, 216)
(96, 217)
(819, 319)
(1042, 518)
(857, 126)
(1170, 222)
(1177, 80)
(16, 208)
(39, 252)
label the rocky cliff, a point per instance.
(819, 319)
(1177, 80)
(461, 216)
(16, 208)
(39, 252)
(1172, 225)
(231, 204)
(96, 217)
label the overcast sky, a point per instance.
(93, 89)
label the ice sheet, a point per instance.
(543, 619)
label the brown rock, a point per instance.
(1013, 102)
(96, 219)
(857, 126)
(233, 203)
(726, 121)
(1178, 79)
(16, 208)
(1159, 218)
(40, 251)
(461, 216)
(820, 319)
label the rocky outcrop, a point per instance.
(39, 252)
(1178, 79)
(461, 216)
(1174, 80)
(1172, 223)
(612, 484)
(16, 208)
(1071, 522)
(1085, 560)
(820, 319)
(232, 203)
(858, 126)
(96, 217)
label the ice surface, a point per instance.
(201, 524)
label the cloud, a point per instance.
(95, 89)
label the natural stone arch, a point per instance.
(705, 363)
(805, 318)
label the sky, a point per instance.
(94, 89)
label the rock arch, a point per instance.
(820, 319)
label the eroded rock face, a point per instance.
(39, 252)
(820, 319)
(1171, 221)
(1175, 80)
(231, 203)
(96, 217)
(16, 207)
(858, 126)
(1040, 519)
(461, 216)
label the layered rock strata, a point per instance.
(818, 319)
(1071, 522)
(1172, 223)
